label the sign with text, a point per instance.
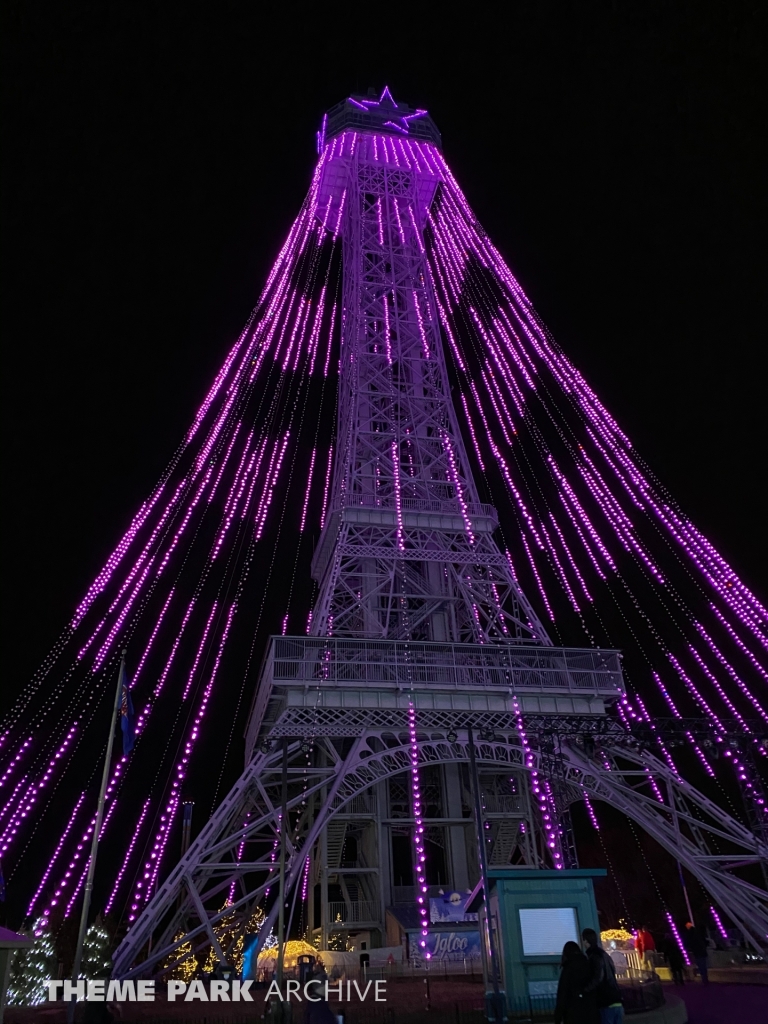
(456, 945)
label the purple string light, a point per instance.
(418, 834)
(327, 486)
(127, 857)
(679, 941)
(56, 853)
(551, 837)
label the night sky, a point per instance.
(156, 154)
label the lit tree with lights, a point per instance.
(231, 937)
(97, 958)
(186, 969)
(32, 967)
(337, 942)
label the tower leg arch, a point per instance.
(692, 829)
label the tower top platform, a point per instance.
(384, 116)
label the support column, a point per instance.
(457, 836)
(324, 875)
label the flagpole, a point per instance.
(95, 841)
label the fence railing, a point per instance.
(371, 662)
(503, 804)
(354, 913)
(363, 804)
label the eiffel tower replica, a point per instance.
(421, 638)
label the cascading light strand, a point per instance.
(418, 833)
(127, 857)
(307, 492)
(327, 487)
(56, 852)
(151, 867)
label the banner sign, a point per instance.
(449, 909)
(449, 945)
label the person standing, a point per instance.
(674, 956)
(574, 1005)
(644, 943)
(603, 980)
(696, 944)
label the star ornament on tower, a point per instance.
(387, 101)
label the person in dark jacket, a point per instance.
(573, 1005)
(603, 981)
(696, 944)
(675, 961)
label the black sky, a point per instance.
(155, 155)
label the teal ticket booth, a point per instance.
(534, 913)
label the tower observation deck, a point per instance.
(358, 731)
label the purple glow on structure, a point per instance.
(732, 672)
(453, 476)
(679, 941)
(418, 832)
(416, 232)
(330, 341)
(151, 640)
(731, 707)
(200, 649)
(56, 853)
(225, 460)
(591, 811)
(341, 210)
(539, 583)
(398, 500)
(314, 337)
(237, 490)
(472, 432)
(28, 800)
(499, 417)
(13, 796)
(673, 707)
(571, 559)
(552, 837)
(305, 880)
(306, 493)
(159, 847)
(78, 887)
(657, 735)
(269, 487)
(605, 497)
(387, 330)
(560, 571)
(115, 558)
(9, 771)
(151, 867)
(399, 223)
(327, 486)
(739, 642)
(127, 857)
(719, 923)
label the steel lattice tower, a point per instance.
(407, 552)
(420, 632)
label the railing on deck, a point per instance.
(364, 911)
(371, 662)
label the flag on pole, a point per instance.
(127, 718)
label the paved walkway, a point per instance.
(723, 1004)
